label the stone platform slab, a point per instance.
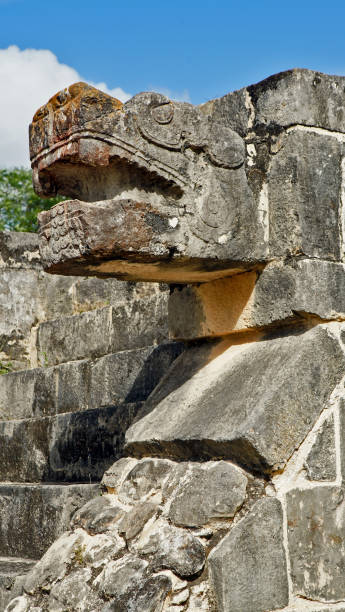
(104, 330)
(86, 384)
(253, 403)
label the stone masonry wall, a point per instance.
(221, 453)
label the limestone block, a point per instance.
(102, 331)
(116, 473)
(304, 196)
(342, 432)
(145, 479)
(248, 567)
(27, 393)
(33, 515)
(130, 375)
(98, 515)
(316, 542)
(169, 547)
(321, 460)
(279, 294)
(253, 403)
(297, 96)
(64, 552)
(206, 491)
(80, 385)
(120, 577)
(72, 446)
(135, 520)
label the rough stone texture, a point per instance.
(116, 473)
(168, 547)
(81, 385)
(75, 447)
(100, 514)
(74, 593)
(307, 187)
(253, 403)
(204, 492)
(135, 520)
(9, 569)
(342, 433)
(321, 460)
(102, 331)
(71, 551)
(145, 479)
(281, 293)
(316, 519)
(120, 577)
(248, 567)
(33, 515)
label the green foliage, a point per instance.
(5, 368)
(19, 204)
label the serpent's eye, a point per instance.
(163, 113)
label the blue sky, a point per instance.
(195, 50)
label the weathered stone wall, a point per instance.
(78, 358)
(222, 452)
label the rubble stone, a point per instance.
(204, 492)
(169, 547)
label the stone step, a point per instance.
(102, 331)
(32, 516)
(128, 376)
(253, 403)
(69, 447)
(10, 568)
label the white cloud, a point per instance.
(28, 79)
(178, 96)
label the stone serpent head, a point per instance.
(160, 189)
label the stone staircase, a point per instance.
(79, 357)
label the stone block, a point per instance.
(321, 460)
(76, 446)
(280, 293)
(248, 567)
(145, 479)
(169, 547)
(254, 403)
(105, 330)
(297, 96)
(99, 515)
(304, 196)
(316, 519)
(203, 492)
(72, 386)
(127, 376)
(27, 393)
(130, 375)
(34, 515)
